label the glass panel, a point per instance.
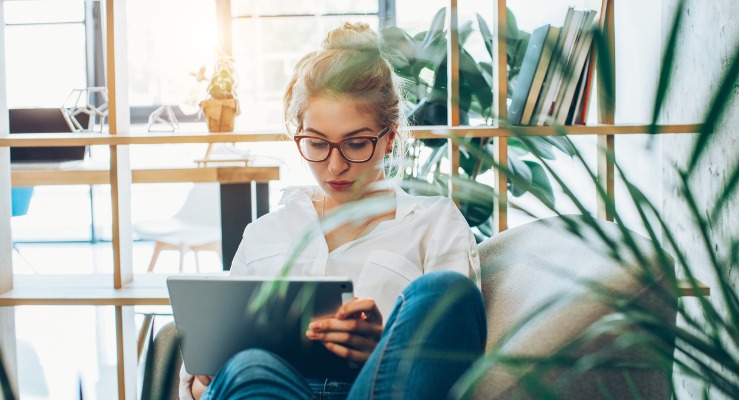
(164, 52)
(44, 11)
(350, 6)
(575, 178)
(56, 213)
(265, 51)
(297, 7)
(254, 7)
(414, 19)
(529, 18)
(44, 63)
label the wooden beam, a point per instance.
(501, 145)
(453, 94)
(120, 179)
(605, 155)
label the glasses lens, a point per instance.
(357, 149)
(314, 149)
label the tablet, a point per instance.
(219, 316)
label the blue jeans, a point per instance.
(435, 332)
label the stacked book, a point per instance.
(554, 82)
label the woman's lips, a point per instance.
(340, 185)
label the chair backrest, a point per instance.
(542, 264)
(20, 200)
(202, 206)
(164, 376)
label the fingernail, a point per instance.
(310, 334)
(340, 314)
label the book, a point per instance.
(574, 69)
(582, 112)
(577, 109)
(539, 76)
(560, 56)
(537, 54)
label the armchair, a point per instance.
(531, 265)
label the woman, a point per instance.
(412, 259)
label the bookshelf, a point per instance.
(122, 289)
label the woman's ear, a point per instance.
(391, 140)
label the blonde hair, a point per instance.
(350, 65)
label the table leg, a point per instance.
(236, 213)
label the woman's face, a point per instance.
(337, 119)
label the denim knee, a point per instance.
(442, 281)
(252, 360)
(461, 297)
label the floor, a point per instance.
(63, 350)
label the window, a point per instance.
(45, 51)
(268, 38)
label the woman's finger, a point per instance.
(346, 352)
(358, 342)
(367, 308)
(363, 327)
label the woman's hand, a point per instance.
(353, 332)
(200, 384)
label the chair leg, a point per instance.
(183, 250)
(158, 247)
(197, 264)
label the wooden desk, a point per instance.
(236, 190)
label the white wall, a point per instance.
(708, 40)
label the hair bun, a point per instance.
(352, 36)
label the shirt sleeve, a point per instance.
(452, 246)
(239, 264)
(186, 383)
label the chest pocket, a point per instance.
(266, 260)
(384, 276)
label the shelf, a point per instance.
(422, 132)
(685, 289)
(81, 176)
(97, 290)
(84, 139)
(90, 290)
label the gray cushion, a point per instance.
(543, 265)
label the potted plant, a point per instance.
(221, 106)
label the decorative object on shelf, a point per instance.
(82, 101)
(221, 105)
(163, 119)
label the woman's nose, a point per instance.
(337, 163)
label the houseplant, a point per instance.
(221, 106)
(421, 61)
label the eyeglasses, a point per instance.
(356, 149)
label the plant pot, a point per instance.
(220, 114)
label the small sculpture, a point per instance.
(83, 101)
(163, 119)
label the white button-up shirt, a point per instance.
(427, 234)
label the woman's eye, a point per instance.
(357, 144)
(317, 144)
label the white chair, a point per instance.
(195, 227)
